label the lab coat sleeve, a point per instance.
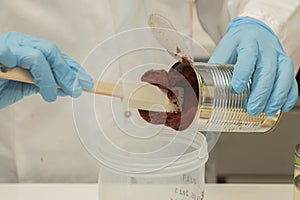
(282, 16)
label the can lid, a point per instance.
(170, 38)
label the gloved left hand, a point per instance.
(257, 54)
(48, 65)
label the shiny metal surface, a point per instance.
(222, 110)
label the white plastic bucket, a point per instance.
(170, 176)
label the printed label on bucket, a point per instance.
(151, 191)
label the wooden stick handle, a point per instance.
(16, 74)
(23, 75)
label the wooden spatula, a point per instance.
(140, 95)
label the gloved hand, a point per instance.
(48, 66)
(258, 55)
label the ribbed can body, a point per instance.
(221, 109)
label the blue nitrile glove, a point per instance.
(48, 65)
(258, 55)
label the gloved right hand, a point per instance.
(258, 55)
(48, 66)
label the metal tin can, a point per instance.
(223, 110)
(220, 109)
(297, 173)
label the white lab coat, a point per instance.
(38, 141)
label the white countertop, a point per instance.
(90, 192)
